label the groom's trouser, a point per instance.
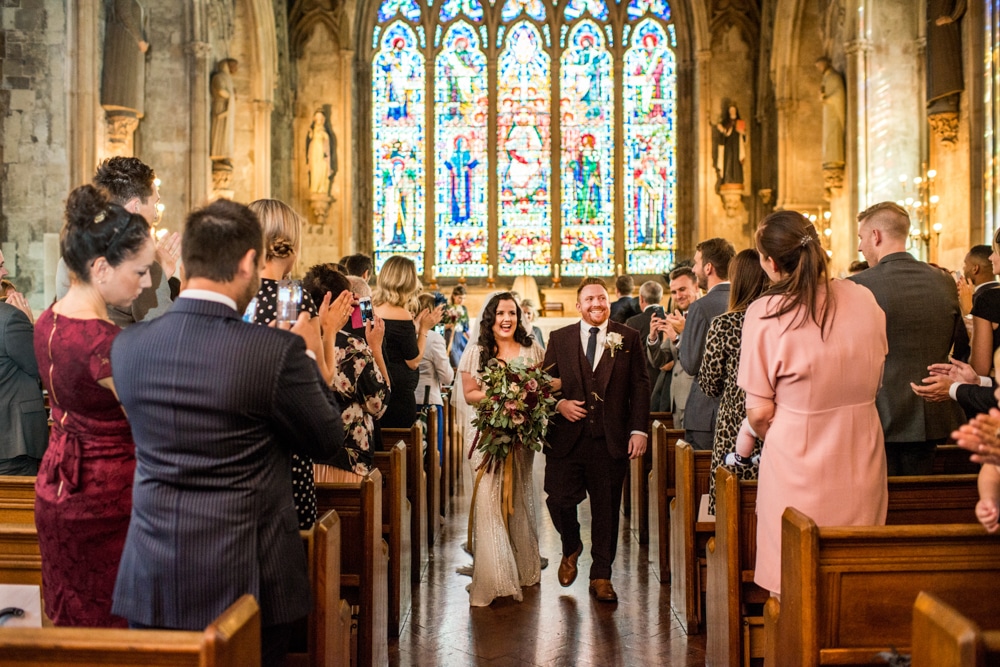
(588, 468)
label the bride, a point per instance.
(505, 556)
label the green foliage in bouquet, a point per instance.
(515, 412)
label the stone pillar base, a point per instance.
(319, 204)
(222, 179)
(121, 126)
(732, 199)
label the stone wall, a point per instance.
(34, 179)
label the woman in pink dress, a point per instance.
(811, 364)
(84, 486)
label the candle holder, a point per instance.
(461, 278)
(491, 282)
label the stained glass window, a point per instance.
(471, 157)
(650, 179)
(462, 168)
(523, 154)
(587, 122)
(399, 153)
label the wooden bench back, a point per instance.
(637, 496)
(364, 577)
(17, 499)
(20, 557)
(685, 581)
(396, 532)
(662, 489)
(232, 640)
(847, 593)
(953, 460)
(416, 492)
(945, 637)
(433, 488)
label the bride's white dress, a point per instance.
(504, 558)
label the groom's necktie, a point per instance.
(592, 346)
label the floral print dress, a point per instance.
(364, 395)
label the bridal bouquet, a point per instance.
(515, 411)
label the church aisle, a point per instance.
(553, 625)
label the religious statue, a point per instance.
(123, 82)
(321, 154)
(944, 66)
(730, 149)
(834, 98)
(223, 111)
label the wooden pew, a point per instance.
(364, 577)
(944, 637)
(953, 460)
(17, 500)
(447, 457)
(232, 640)
(396, 532)
(847, 593)
(662, 489)
(688, 537)
(20, 557)
(734, 603)
(433, 487)
(637, 483)
(416, 492)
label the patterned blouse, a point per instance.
(303, 484)
(364, 395)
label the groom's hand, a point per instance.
(572, 411)
(636, 445)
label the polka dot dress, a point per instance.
(303, 486)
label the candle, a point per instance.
(556, 269)
(434, 272)
(489, 272)
(618, 270)
(462, 274)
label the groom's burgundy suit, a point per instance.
(590, 456)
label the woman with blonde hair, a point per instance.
(405, 337)
(282, 228)
(811, 362)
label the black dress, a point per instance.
(400, 344)
(303, 486)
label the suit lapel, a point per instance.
(602, 374)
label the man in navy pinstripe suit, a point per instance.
(216, 407)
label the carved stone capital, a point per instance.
(121, 127)
(945, 127)
(765, 195)
(833, 179)
(198, 49)
(319, 204)
(222, 179)
(732, 199)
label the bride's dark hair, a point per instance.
(488, 348)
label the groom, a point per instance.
(600, 425)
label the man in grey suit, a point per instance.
(217, 407)
(674, 385)
(711, 266)
(24, 432)
(923, 322)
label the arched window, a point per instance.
(501, 138)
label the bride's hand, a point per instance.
(555, 384)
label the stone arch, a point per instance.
(263, 79)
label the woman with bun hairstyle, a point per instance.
(84, 487)
(811, 363)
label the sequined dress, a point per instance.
(505, 558)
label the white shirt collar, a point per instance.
(985, 285)
(585, 328)
(208, 295)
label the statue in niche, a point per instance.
(944, 66)
(123, 82)
(321, 154)
(730, 151)
(223, 111)
(834, 98)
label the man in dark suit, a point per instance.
(24, 431)
(600, 425)
(923, 323)
(650, 295)
(711, 266)
(217, 407)
(625, 305)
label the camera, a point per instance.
(367, 312)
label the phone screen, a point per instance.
(365, 306)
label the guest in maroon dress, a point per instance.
(84, 487)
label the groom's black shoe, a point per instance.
(567, 567)
(603, 591)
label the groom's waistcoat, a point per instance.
(594, 428)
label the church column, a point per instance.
(359, 180)
(262, 148)
(858, 53)
(706, 173)
(344, 195)
(200, 167)
(84, 89)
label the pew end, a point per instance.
(944, 637)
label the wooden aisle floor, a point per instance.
(553, 626)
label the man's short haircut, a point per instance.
(980, 255)
(624, 285)
(217, 237)
(718, 252)
(651, 292)
(590, 281)
(888, 216)
(358, 264)
(125, 178)
(683, 271)
(857, 266)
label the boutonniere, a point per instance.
(613, 343)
